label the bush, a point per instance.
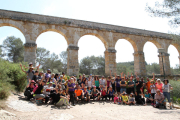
(175, 94)
(11, 77)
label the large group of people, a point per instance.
(56, 89)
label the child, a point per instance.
(153, 91)
(89, 93)
(125, 98)
(110, 93)
(148, 97)
(131, 99)
(103, 93)
(116, 99)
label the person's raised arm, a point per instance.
(22, 68)
(110, 73)
(136, 74)
(121, 74)
(153, 76)
(25, 67)
(128, 75)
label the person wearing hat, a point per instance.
(29, 90)
(47, 91)
(125, 98)
(29, 73)
(159, 98)
(166, 91)
(159, 85)
(131, 99)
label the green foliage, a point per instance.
(11, 77)
(176, 91)
(93, 65)
(125, 67)
(168, 8)
(13, 48)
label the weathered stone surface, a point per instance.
(32, 25)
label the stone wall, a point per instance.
(14, 15)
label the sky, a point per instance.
(129, 13)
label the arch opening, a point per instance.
(91, 55)
(174, 58)
(53, 31)
(124, 56)
(52, 51)
(151, 57)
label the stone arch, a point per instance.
(156, 43)
(53, 30)
(20, 28)
(131, 41)
(98, 36)
(177, 46)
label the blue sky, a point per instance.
(129, 13)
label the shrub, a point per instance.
(175, 94)
(11, 77)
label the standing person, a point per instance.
(89, 83)
(40, 75)
(35, 76)
(71, 87)
(29, 73)
(108, 82)
(148, 84)
(117, 83)
(123, 85)
(96, 82)
(65, 78)
(159, 85)
(138, 85)
(102, 81)
(79, 80)
(83, 80)
(56, 77)
(130, 86)
(48, 75)
(113, 84)
(153, 91)
(166, 91)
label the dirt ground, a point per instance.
(20, 109)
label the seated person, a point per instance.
(95, 93)
(28, 92)
(159, 98)
(79, 94)
(125, 98)
(139, 99)
(116, 98)
(86, 94)
(103, 93)
(131, 99)
(148, 97)
(62, 100)
(48, 89)
(38, 95)
(89, 93)
(110, 93)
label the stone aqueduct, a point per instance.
(32, 25)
